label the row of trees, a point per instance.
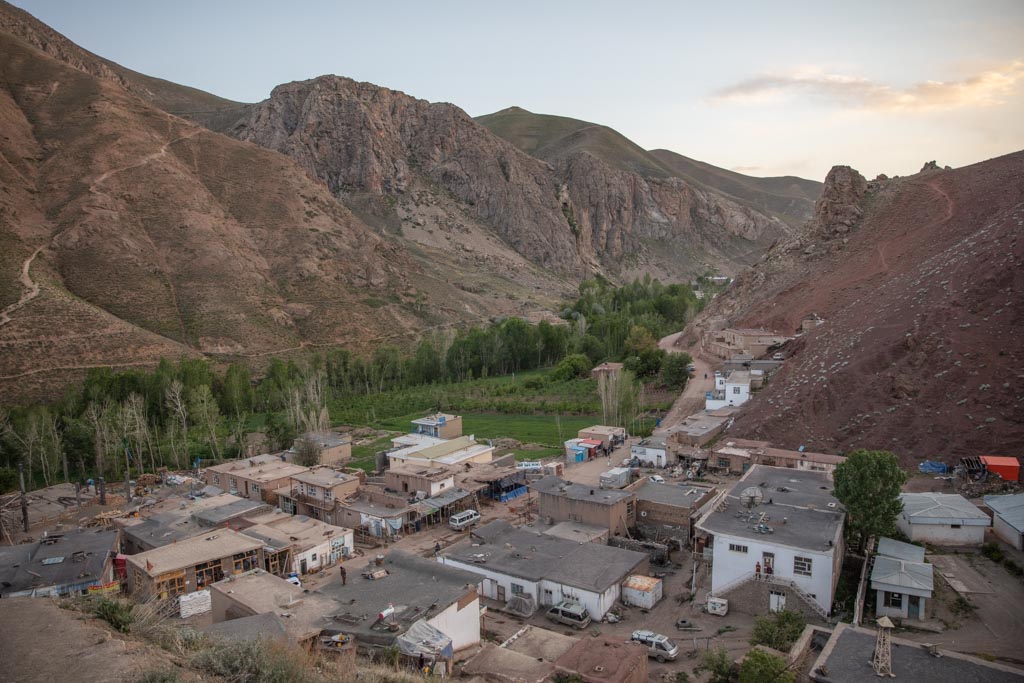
(187, 409)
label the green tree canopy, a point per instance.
(763, 667)
(778, 631)
(673, 370)
(868, 483)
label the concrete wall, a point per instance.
(754, 598)
(1006, 532)
(728, 566)
(943, 534)
(902, 612)
(616, 518)
(460, 621)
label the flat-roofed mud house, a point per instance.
(665, 512)
(317, 493)
(192, 564)
(562, 501)
(439, 426)
(256, 478)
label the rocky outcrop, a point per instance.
(358, 137)
(838, 210)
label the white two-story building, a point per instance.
(733, 390)
(780, 527)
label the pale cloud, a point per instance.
(984, 89)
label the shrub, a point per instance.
(572, 366)
(962, 607)
(255, 661)
(762, 667)
(993, 552)
(778, 631)
(1013, 567)
(117, 614)
(717, 663)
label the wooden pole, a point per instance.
(24, 500)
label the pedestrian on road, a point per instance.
(705, 375)
(437, 548)
(344, 576)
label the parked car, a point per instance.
(660, 647)
(656, 479)
(779, 356)
(294, 579)
(570, 613)
(464, 519)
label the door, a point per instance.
(768, 563)
(501, 593)
(302, 566)
(914, 607)
(776, 601)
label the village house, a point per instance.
(733, 390)
(652, 452)
(191, 564)
(539, 570)
(848, 654)
(450, 454)
(256, 478)
(562, 501)
(316, 493)
(1008, 518)
(901, 579)
(942, 519)
(414, 589)
(787, 524)
(251, 594)
(754, 342)
(377, 513)
(60, 564)
(700, 428)
(419, 482)
(737, 455)
(665, 512)
(499, 480)
(439, 426)
(335, 448)
(578, 532)
(606, 370)
(610, 437)
(177, 518)
(297, 543)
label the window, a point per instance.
(954, 526)
(216, 480)
(287, 505)
(517, 589)
(243, 562)
(894, 600)
(735, 390)
(314, 558)
(441, 486)
(327, 494)
(802, 566)
(171, 586)
(723, 462)
(208, 572)
(737, 548)
(234, 483)
(256, 489)
(629, 508)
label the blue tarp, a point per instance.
(933, 467)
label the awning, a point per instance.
(424, 639)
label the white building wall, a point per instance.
(1006, 532)
(492, 579)
(461, 625)
(943, 534)
(728, 566)
(656, 457)
(736, 399)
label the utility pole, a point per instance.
(101, 484)
(24, 500)
(127, 472)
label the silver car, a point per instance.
(662, 648)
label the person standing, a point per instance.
(757, 572)
(344, 575)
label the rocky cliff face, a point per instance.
(357, 137)
(576, 215)
(838, 210)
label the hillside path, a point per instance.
(691, 399)
(32, 289)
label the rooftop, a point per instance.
(450, 452)
(1010, 508)
(604, 429)
(556, 486)
(941, 508)
(698, 424)
(265, 626)
(218, 514)
(911, 576)
(259, 468)
(500, 547)
(900, 550)
(578, 532)
(847, 659)
(654, 442)
(797, 509)
(416, 587)
(682, 495)
(299, 530)
(327, 439)
(73, 558)
(205, 547)
(422, 471)
(304, 614)
(435, 419)
(738, 377)
(324, 477)
(603, 659)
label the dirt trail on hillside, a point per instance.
(27, 282)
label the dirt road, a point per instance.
(702, 379)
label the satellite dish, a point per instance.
(751, 497)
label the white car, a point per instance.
(293, 579)
(656, 479)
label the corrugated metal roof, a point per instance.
(941, 508)
(641, 583)
(912, 575)
(900, 550)
(1009, 508)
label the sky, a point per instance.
(764, 88)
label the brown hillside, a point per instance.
(920, 281)
(130, 234)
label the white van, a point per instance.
(464, 519)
